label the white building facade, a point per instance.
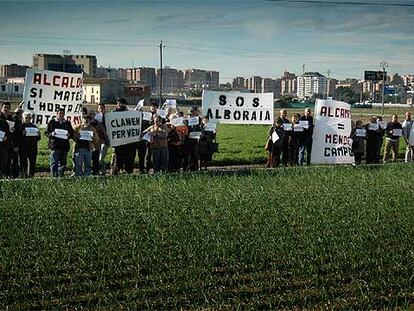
(311, 83)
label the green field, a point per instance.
(315, 238)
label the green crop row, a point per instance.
(314, 238)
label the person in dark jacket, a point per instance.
(143, 146)
(277, 134)
(374, 135)
(393, 132)
(205, 145)
(59, 131)
(307, 140)
(191, 142)
(28, 146)
(285, 150)
(295, 138)
(358, 135)
(14, 121)
(4, 144)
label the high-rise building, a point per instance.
(311, 83)
(145, 75)
(408, 80)
(111, 73)
(201, 79)
(172, 80)
(67, 63)
(254, 84)
(288, 84)
(13, 71)
(238, 83)
(270, 85)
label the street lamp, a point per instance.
(383, 65)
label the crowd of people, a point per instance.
(163, 145)
(290, 140)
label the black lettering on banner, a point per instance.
(237, 115)
(334, 153)
(29, 106)
(267, 116)
(327, 153)
(209, 114)
(70, 107)
(253, 117)
(58, 95)
(255, 102)
(245, 115)
(222, 100)
(33, 92)
(227, 114)
(239, 101)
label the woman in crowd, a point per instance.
(373, 141)
(294, 140)
(159, 144)
(174, 146)
(277, 135)
(358, 136)
(30, 136)
(206, 143)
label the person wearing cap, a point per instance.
(59, 131)
(4, 141)
(28, 145)
(84, 146)
(124, 156)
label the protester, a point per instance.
(277, 134)
(104, 142)
(12, 169)
(294, 138)
(86, 138)
(206, 144)
(174, 147)
(124, 156)
(28, 146)
(285, 151)
(381, 134)
(4, 142)
(14, 163)
(143, 146)
(406, 131)
(159, 144)
(358, 136)
(191, 142)
(393, 131)
(59, 131)
(374, 136)
(100, 139)
(305, 144)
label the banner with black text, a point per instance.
(331, 141)
(45, 92)
(238, 108)
(123, 127)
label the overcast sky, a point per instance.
(238, 38)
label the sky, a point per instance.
(235, 37)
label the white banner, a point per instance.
(45, 92)
(238, 108)
(331, 142)
(123, 127)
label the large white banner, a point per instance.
(45, 92)
(238, 108)
(123, 127)
(331, 141)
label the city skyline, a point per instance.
(237, 38)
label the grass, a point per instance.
(314, 238)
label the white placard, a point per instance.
(11, 125)
(162, 113)
(382, 124)
(86, 135)
(2, 134)
(397, 132)
(123, 127)
(361, 132)
(210, 127)
(99, 117)
(237, 107)
(298, 128)
(60, 133)
(331, 142)
(194, 135)
(147, 116)
(304, 123)
(287, 127)
(178, 121)
(47, 91)
(170, 103)
(140, 104)
(193, 121)
(411, 137)
(147, 137)
(31, 131)
(275, 137)
(373, 126)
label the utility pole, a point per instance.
(161, 46)
(328, 85)
(383, 65)
(303, 69)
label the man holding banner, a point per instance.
(59, 131)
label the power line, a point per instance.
(352, 3)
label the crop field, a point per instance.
(314, 238)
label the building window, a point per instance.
(3, 88)
(16, 88)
